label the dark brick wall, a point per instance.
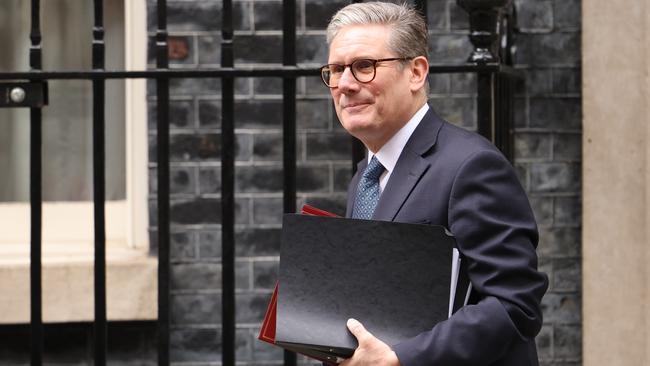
(547, 144)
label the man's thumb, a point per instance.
(357, 329)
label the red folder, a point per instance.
(267, 333)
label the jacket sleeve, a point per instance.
(496, 233)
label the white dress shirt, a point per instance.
(390, 152)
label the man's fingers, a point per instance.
(358, 330)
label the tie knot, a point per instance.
(374, 169)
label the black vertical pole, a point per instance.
(36, 199)
(99, 191)
(289, 118)
(162, 126)
(228, 189)
(486, 115)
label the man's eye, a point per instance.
(363, 65)
(336, 69)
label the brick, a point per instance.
(203, 15)
(439, 83)
(567, 80)
(327, 146)
(210, 113)
(543, 209)
(534, 16)
(567, 14)
(568, 210)
(244, 344)
(257, 242)
(459, 111)
(533, 146)
(209, 50)
(268, 15)
(201, 147)
(555, 177)
(567, 147)
(549, 49)
(544, 341)
(559, 242)
(342, 176)
(195, 276)
(257, 48)
(568, 341)
(259, 179)
(182, 180)
(311, 48)
(210, 179)
(520, 113)
(209, 244)
(182, 87)
(567, 274)
(267, 210)
(196, 309)
(243, 274)
(437, 15)
(196, 211)
(265, 274)
(195, 345)
(561, 308)
(318, 13)
(458, 17)
(181, 114)
(539, 81)
(267, 86)
(449, 48)
(259, 114)
(182, 246)
(313, 114)
(251, 307)
(556, 113)
(267, 147)
(313, 179)
(463, 83)
(314, 86)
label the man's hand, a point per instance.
(371, 350)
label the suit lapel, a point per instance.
(410, 167)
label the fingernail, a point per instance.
(352, 322)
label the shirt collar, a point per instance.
(390, 152)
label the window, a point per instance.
(68, 229)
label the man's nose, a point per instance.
(347, 82)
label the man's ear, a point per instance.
(419, 73)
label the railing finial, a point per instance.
(485, 18)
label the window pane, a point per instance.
(67, 120)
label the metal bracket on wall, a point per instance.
(23, 94)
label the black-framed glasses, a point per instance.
(363, 69)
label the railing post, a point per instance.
(484, 19)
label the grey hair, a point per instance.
(409, 37)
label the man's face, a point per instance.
(373, 112)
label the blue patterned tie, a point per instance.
(368, 191)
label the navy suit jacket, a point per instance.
(448, 176)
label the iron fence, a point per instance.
(491, 61)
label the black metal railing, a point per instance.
(491, 61)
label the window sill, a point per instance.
(67, 273)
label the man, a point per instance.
(421, 169)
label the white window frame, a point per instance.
(126, 220)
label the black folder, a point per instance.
(395, 278)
